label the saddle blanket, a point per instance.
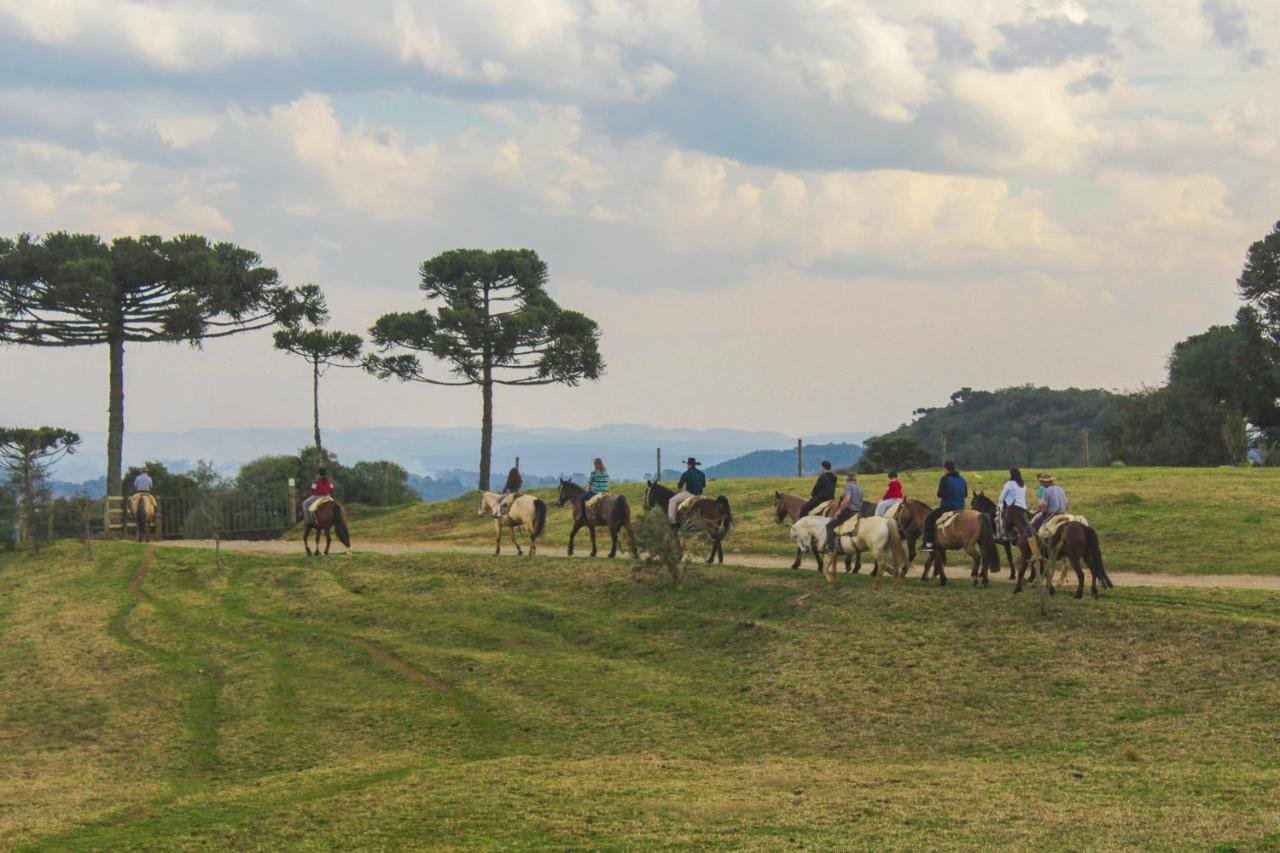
(820, 509)
(595, 500)
(945, 520)
(321, 501)
(1053, 525)
(504, 505)
(850, 527)
(689, 503)
(891, 514)
(137, 498)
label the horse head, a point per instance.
(485, 507)
(567, 492)
(982, 503)
(779, 509)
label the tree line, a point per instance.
(488, 321)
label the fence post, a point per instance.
(799, 457)
(657, 471)
(293, 502)
(1086, 447)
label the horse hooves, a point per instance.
(984, 582)
(1017, 589)
(942, 581)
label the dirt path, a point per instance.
(140, 575)
(275, 546)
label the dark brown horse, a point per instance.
(327, 516)
(1008, 529)
(1074, 542)
(712, 518)
(613, 511)
(971, 532)
(144, 509)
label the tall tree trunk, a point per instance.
(115, 418)
(486, 429)
(29, 506)
(315, 402)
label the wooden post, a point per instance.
(657, 471)
(293, 502)
(1086, 447)
(944, 447)
(517, 465)
(799, 457)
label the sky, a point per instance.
(795, 216)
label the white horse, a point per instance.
(875, 536)
(525, 511)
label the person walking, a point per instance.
(823, 490)
(692, 483)
(952, 490)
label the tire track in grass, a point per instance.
(201, 718)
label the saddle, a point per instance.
(891, 514)
(504, 505)
(820, 509)
(945, 520)
(136, 499)
(849, 527)
(689, 503)
(595, 501)
(1051, 527)
(321, 501)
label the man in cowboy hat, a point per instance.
(850, 504)
(1053, 501)
(692, 482)
(142, 482)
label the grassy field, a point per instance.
(152, 699)
(1211, 521)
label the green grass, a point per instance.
(1178, 520)
(463, 701)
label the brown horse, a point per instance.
(1008, 529)
(1075, 542)
(786, 509)
(144, 509)
(910, 515)
(971, 532)
(710, 517)
(329, 515)
(613, 512)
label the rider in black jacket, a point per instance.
(823, 490)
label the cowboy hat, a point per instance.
(1045, 477)
(692, 461)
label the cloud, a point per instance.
(1230, 29)
(1048, 41)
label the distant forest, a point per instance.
(782, 463)
(1026, 426)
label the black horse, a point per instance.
(1016, 520)
(712, 517)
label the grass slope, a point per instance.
(450, 701)
(1213, 521)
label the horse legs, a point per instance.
(328, 539)
(1075, 564)
(795, 564)
(857, 563)
(940, 564)
(497, 526)
(613, 540)
(516, 542)
(817, 555)
(1008, 552)
(577, 525)
(306, 539)
(591, 528)
(979, 569)
(631, 540)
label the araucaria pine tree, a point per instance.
(321, 349)
(71, 290)
(26, 455)
(492, 321)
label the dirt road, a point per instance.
(275, 546)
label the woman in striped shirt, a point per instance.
(597, 484)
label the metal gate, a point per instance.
(225, 515)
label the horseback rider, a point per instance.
(1053, 501)
(1014, 493)
(952, 490)
(321, 487)
(597, 484)
(142, 483)
(510, 491)
(892, 496)
(692, 483)
(823, 490)
(850, 504)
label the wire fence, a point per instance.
(225, 515)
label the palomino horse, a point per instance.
(325, 516)
(876, 536)
(143, 508)
(525, 511)
(787, 508)
(1074, 541)
(971, 532)
(710, 517)
(613, 511)
(1008, 529)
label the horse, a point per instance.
(325, 516)
(787, 508)
(144, 509)
(877, 536)
(613, 511)
(1074, 541)
(713, 517)
(910, 515)
(972, 532)
(1015, 520)
(525, 511)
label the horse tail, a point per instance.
(898, 550)
(340, 524)
(723, 503)
(1094, 550)
(987, 543)
(539, 517)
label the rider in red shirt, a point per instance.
(321, 487)
(892, 495)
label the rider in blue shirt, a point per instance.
(952, 490)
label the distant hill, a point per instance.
(1025, 426)
(782, 463)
